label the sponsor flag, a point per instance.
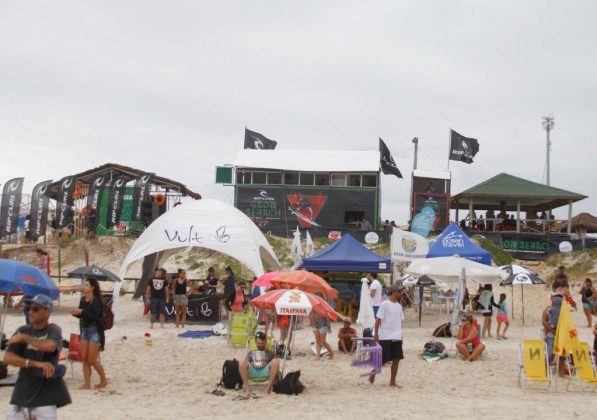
(423, 222)
(39, 210)
(295, 248)
(388, 165)
(462, 148)
(11, 206)
(96, 188)
(115, 202)
(566, 340)
(254, 140)
(140, 194)
(64, 201)
(309, 248)
(407, 246)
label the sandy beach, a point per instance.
(174, 378)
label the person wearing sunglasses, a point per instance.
(35, 349)
(259, 364)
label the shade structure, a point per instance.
(409, 280)
(347, 254)
(205, 223)
(306, 281)
(265, 280)
(94, 272)
(454, 241)
(19, 277)
(449, 269)
(519, 275)
(294, 302)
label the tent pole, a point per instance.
(512, 286)
(4, 312)
(522, 300)
(421, 297)
(289, 337)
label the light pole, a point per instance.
(548, 123)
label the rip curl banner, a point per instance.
(115, 201)
(39, 210)
(96, 187)
(255, 140)
(140, 194)
(462, 148)
(64, 201)
(11, 206)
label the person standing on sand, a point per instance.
(388, 332)
(35, 348)
(589, 300)
(181, 300)
(375, 290)
(157, 294)
(89, 313)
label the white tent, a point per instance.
(203, 223)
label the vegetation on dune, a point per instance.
(498, 255)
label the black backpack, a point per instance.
(3, 370)
(230, 375)
(290, 385)
(443, 330)
(107, 319)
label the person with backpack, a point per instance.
(90, 311)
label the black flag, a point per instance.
(388, 166)
(115, 202)
(140, 194)
(11, 206)
(64, 201)
(39, 210)
(255, 140)
(94, 198)
(462, 148)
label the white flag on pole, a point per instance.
(309, 248)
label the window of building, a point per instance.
(291, 178)
(338, 180)
(353, 217)
(322, 179)
(274, 178)
(369, 181)
(307, 178)
(354, 180)
(243, 177)
(258, 178)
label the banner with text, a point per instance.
(140, 194)
(115, 201)
(11, 206)
(202, 309)
(64, 201)
(39, 210)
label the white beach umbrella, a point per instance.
(449, 270)
(366, 318)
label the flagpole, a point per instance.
(449, 146)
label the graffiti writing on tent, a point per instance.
(194, 236)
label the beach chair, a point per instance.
(583, 370)
(367, 355)
(242, 326)
(74, 352)
(533, 363)
(252, 346)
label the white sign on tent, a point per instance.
(407, 246)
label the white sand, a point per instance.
(173, 379)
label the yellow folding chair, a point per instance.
(584, 366)
(252, 345)
(534, 365)
(241, 328)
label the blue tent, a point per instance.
(454, 241)
(347, 254)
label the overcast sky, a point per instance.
(168, 86)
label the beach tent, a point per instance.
(203, 223)
(453, 241)
(346, 254)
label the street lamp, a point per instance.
(548, 123)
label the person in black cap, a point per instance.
(35, 349)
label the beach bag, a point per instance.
(3, 370)
(231, 375)
(434, 347)
(290, 384)
(107, 319)
(443, 330)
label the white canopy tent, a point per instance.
(203, 223)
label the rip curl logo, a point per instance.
(257, 143)
(13, 186)
(67, 183)
(453, 240)
(96, 271)
(99, 182)
(263, 196)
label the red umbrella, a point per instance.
(306, 281)
(294, 302)
(265, 280)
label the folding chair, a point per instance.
(241, 328)
(74, 352)
(533, 363)
(252, 346)
(584, 366)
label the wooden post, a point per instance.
(470, 213)
(518, 216)
(569, 226)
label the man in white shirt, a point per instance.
(374, 291)
(388, 332)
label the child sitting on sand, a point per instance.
(502, 317)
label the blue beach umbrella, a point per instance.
(19, 277)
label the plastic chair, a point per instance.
(74, 351)
(242, 326)
(533, 363)
(369, 355)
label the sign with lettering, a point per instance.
(202, 309)
(526, 247)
